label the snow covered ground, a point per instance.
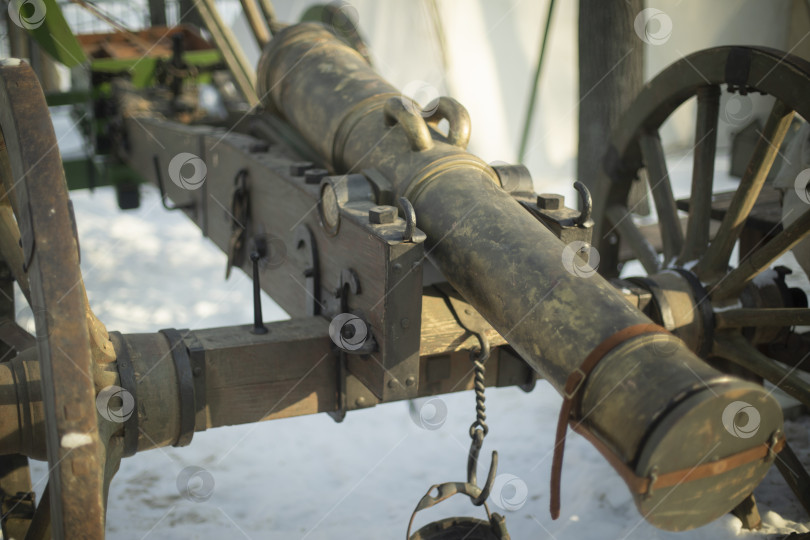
(310, 478)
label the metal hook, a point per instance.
(410, 219)
(472, 469)
(586, 204)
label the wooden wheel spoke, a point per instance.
(623, 222)
(661, 188)
(753, 317)
(734, 347)
(716, 260)
(760, 259)
(700, 202)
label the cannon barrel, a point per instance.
(650, 405)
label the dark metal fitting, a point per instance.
(410, 219)
(379, 215)
(300, 167)
(314, 176)
(570, 394)
(653, 477)
(185, 384)
(773, 440)
(258, 323)
(550, 201)
(586, 206)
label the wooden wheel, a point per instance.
(740, 315)
(39, 244)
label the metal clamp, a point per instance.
(126, 376)
(185, 384)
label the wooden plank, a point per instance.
(442, 334)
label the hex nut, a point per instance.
(300, 167)
(550, 201)
(314, 176)
(379, 215)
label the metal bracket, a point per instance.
(196, 355)
(164, 198)
(239, 218)
(126, 376)
(305, 242)
(185, 383)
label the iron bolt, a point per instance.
(550, 201)
(300, 167)
(314, 176)
(382, 214)
(410, 381)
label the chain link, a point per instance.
(479, 357)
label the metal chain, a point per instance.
(478, 358)
(479, 428)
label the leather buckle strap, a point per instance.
(648, 484)
(571, 397)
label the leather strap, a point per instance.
(637, 484)
(648, 484)
(572, 396)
